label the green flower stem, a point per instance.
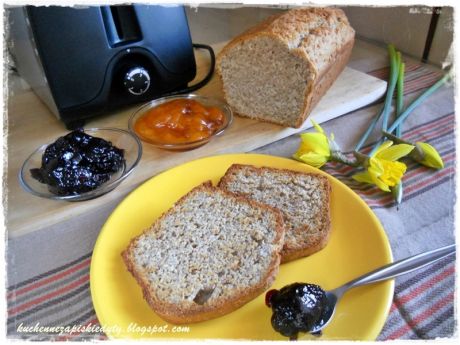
(361, 159)
(398, 190)
(395, 63)
(394, 71)
(400, 96)
(417, 102)
(413, 105)
(394, 138)
(369, 130)
(385, 110)
(338, 156)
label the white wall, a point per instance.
(404, 26)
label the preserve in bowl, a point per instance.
(119, 138)
(181, 122)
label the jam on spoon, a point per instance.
(308, 308)
(296, 308)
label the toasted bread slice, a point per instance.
(303, 199)
(208, 255)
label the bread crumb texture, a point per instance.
(263, 80)
(302, 198)
(209, 247)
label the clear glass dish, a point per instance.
(120, 138)
(206, 101)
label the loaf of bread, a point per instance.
(279, 70)
(208, 255)
(303, 199)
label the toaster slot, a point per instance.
(121, 25)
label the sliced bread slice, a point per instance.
(208, 255)
(303, 198)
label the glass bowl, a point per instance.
(119, 138)
(206, 101)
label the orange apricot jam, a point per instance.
(179, 121)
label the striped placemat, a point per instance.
(423, 304)
(418, 179)
(417, 76)
(56, 305)
(59, 299)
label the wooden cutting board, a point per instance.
(31, 124)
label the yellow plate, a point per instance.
(357, 245)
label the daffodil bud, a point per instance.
(423, 153)
(314, 148)
(427, 155)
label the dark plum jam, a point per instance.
(296, 308)
(77, 163)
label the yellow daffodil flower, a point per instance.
(315, 147)
(427, 155)
(424, 153)
(383, 168)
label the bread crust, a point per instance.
(285, 29)
(180, 314)
(323, 83)
(314, 242)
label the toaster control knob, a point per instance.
(137, 80)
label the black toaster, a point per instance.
(84, 61)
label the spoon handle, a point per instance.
(400, 267)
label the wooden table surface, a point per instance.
(31, 124)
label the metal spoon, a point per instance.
(386, 272)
